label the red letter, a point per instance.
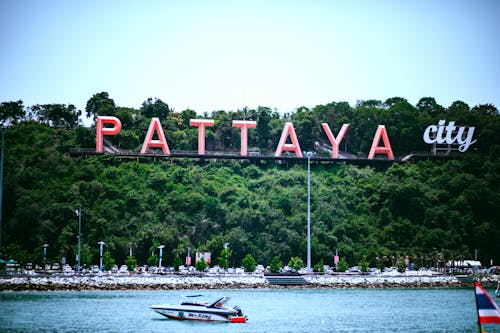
(333, 141)
(201, 123)
(385, 149)
(282, 145)
(148, 140)
(101, 130)
(244, 125)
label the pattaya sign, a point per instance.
(114, 126)
(440, 134)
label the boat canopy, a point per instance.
(464, 263)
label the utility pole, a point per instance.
(79, 214)
(308, 155)
(101, 244)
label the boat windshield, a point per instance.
(201, 300)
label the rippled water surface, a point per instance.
(268, 310)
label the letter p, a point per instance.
(101, 130)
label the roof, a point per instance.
(465, 263)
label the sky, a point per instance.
(225, 55)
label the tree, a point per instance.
(58, 114)
(401, 264)
(260, 207)
(276, 265)
(152, 260)
(429, 105)
(394, 100)
(263, 128)
(86, 255)
(131, 263)
(100, 104)
(201, 265)
(156, 108)
(342, 266)
(249, 263)
(108, 260)
(225, 254)
(319, 267)
(177, 262)
(295, 263)
(363, 265)
(307, 128)
(11, 112)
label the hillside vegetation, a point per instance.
(430, 211)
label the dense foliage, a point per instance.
(430, 211)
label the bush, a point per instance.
(153, 260)
(276, 265)
(295, 263)
(363, 265)
(107, 260)
(177, 262)
(223, 260)
(201, 265)
(249, 263)
(342, 266)
(319, 267)
(131, 263)
(401, 265)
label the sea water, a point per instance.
(268, 310)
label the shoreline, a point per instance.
(183, 282)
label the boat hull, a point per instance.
(197, 315)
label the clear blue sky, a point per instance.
(223, 55)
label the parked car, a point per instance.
(327, 269)
(67, 269)
(259, 269)
(354, 270)
(494, 270)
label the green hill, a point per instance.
(428, 211)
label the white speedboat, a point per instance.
(201, 311)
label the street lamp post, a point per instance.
(308, 155)
(79, 214)
(226, 261)
(161, 255)
(101, 244)
(45, 252)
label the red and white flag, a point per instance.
(487, 309)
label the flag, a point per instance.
(487, 309)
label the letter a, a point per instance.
(101, 130)
(282, 145)
(155, 125)
(385, 149)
